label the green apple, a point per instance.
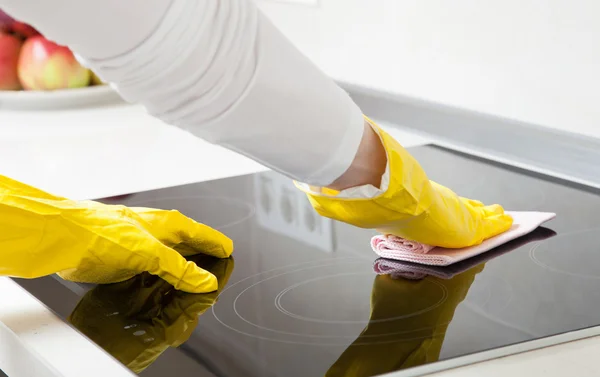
(45, 65)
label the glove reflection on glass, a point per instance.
(408, 323)
(413, 207)
(91, 242)
(138, 319)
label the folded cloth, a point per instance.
(413, 271)
(401, 244)
(393, 247)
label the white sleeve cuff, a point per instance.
(358, 192)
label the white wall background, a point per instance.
(533, 60)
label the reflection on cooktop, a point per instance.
(137, 320)
(307, 304)
(308, 297)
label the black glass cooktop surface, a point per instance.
(300, 296)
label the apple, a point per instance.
(45, 65)
(9, 24)
(5, 21)
(10, 47)
(23, 29)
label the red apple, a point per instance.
(44, 65)
(9, 57)
(9, 24)
(23, 29)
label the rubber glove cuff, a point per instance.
(409, 205)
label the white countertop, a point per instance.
(529, 60)
(95, 153)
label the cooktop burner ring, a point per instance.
(249, 208)
(534, 255)
(316, 337)
(279, 306)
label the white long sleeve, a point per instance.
(218, 68)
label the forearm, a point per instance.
(221, 70)
(368, 165)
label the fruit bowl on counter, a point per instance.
(38, 74)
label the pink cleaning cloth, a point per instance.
(398, 243)
(413, 271)
(392, 247)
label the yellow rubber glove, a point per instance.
(388, 345)
(138, 319)
(414, 207)
(90, 242)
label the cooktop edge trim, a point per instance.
(496, 353)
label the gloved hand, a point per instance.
(405, 330)
(138, 319)
(413, 207)
(90, 242)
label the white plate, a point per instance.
(58, 99)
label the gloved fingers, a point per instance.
(181, 274)
(472, 202)
(174, 228)
(193, 305)
(448, 194)
(496, 224)
(496, 221)
(207, 240)
(181, 315)
(494, 209)
(222, 268)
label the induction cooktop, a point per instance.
(300, 296)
